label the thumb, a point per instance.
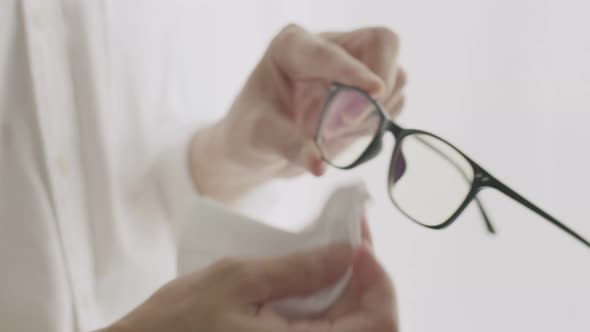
(301, 273)
(366, 231)
(291, 142)
(378, 290)
(302, 55)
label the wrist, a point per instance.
(224, 164)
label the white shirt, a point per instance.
(96, 110)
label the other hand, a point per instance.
(269, 131)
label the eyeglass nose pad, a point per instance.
(398, 166)
(371, 152)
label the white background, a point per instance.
(508, 81)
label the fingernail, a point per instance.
(319, 169)
(314, 162)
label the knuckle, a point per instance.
(226, 266)
(243, 278)
(386, 322)
(395, 107)
(257, 289)
(386, 38)
(310, 269)
(399, 107)
(248, 276)
(321, 50)
(292, 27)
(288, 34)
(403, 79)
(401, 103)
(250, 281)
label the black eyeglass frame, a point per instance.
(482, 179)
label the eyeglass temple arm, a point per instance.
(480, 205)
(494, 183)
(484, 215)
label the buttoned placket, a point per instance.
(58, 119)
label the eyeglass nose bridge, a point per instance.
(374, 147)
(393, 128)
(481, 178)
(481, 181)
(371, 152)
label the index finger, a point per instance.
(302, 55)
(376, 47)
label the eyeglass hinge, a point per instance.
(481, 177)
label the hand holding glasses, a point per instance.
(430, 180)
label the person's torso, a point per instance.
(89, 94)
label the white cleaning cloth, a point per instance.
(213, 232)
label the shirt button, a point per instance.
(85, 302)
(85, 309)
(62, 165)
(39, 19)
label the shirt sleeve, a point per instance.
(174, 180)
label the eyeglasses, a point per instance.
(430, 180)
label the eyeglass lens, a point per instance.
(349, 123)
(429, 179)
